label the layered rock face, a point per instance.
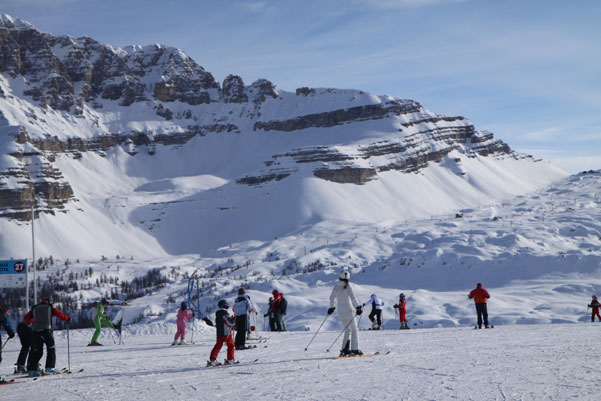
(67, 96)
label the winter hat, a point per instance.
(275, 293)
(402, 295)
(344, 275)
(241, 291)
(105, 301)
(479, 285)
(594, 297)
(223, 304)
(184, 305)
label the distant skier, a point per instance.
(5, 323)
(26, 337)
(595, 305)
(271, 314)
(376, 311)
(242, 307)
(100, 320)
(281, 305)
(402, 307)
(40, 316)
(183, 314)
(224, 324)
(480, 295)
(343, 297)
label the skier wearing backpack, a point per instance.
(343, 297)
(376, 311)
(402, 307)
(100, 320)
(40, 316)
(7, 325)
(224, 324)
(480, 295)
(183, 314)
(595, 305)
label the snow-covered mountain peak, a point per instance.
(10, 22)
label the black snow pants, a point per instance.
(26, 337)
(241, 326)
(482, 313)
(40, 338)
(377, 313)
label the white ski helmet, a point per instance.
(344, 275)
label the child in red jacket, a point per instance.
(224, 324)
(402, 307)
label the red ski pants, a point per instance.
(402, 313)
(229, 340)
(595, 313)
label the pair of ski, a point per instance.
(237, 363)
(378, 353)
(20, 376)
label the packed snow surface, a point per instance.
(520, 362)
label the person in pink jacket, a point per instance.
(182, 314)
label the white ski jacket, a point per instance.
(344, 299)
(376, 300)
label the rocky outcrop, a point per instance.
(346, 175)
(338, 117)
(233, 90)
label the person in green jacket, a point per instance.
(100, 320)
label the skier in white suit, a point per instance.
(348, 308)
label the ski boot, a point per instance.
(174, 342)
(94, 344)
(34, 373)
(20, 369)
(212, 363)
(355, 352)
(230, 362)
(50, 371)
(182, 342)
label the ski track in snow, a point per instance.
(530, 362)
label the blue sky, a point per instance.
(527, 70)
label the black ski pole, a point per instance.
(343, 330)
(324, 320)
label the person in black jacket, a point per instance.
(26, 337)
(282, 308)
(40, 316)
(271, 314)
(224, 324)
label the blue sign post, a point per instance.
(13, 273)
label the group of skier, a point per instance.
(276, 312)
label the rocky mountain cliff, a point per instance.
(66, 103)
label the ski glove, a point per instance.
(331, 310)
(359, 310)
(11, 334)
(395, 306)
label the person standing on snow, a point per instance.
(402, 307)
(7, 325)
(242, 307)
(224, 324)
(183, 314)
(282, 307)
(343, 297)
(100, 320)
(595, 305)
(40, 316)
(376, 311)
(271, 314)
(480, 295)
(26, 337)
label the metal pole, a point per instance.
(35, 283)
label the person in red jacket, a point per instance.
(40, 316)
(402, 307)
(595, 305)
(480, 295)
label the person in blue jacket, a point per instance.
(6, 324)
